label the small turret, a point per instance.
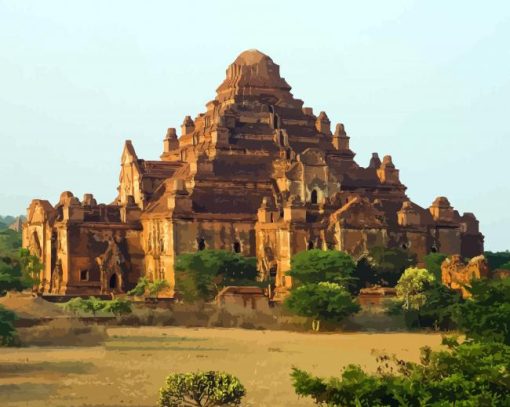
(375, 161)
(170, 143)
(387, 172)
(188, 126)
(322, 123)
(340, 138)
(441, 210)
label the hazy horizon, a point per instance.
(426, 82)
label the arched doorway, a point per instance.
(314, 197)
(114, 282)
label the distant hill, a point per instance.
(10, 238)
(8, 221)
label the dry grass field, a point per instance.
(131, 366)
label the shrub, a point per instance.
(147, 288)
(486, 315)
(323, 301)
(204, 389)
(93, 305)
(470, 374)
(7, 330)
(118, 307)
(140, 288)
(315, 266)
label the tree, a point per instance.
(389, 264)
(7, 330)
(411, 287)
(201, 275)
(433, 263)
(315, 266)
(202, 389)
(321, 301)
(486, 315)
(10, 276)
(469, 374)
(439, 307)
(31, 268)
(497, 259)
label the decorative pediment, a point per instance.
(358, 213)
(312, 156)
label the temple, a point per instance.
(256, 173)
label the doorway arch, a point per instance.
(114, 282)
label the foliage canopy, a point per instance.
(315, 266)
(201, 275)
(322, 301)
(202, 389)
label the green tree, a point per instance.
(497, 259)
(315, 266)
(31, 268)
(439, 307)
(201, 275)
(411, 287)
(433, 263)
(10, 243)
(322, 301)
(7, 329)
(486, 315)
(470, 374)
(201, 389)
(388, 264)
(10, 276)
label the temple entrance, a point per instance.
(314, 197)
(113, 282)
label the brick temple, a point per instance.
(256, 173)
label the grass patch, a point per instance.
(21, 369)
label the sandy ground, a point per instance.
(130, 368)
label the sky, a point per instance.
(425, 81)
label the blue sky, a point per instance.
(425, 81)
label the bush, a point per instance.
(323, 301)
(470, 374)
(93, 305)
(7, 330)
(315, 266)
(486, 315)
(145, 287)
(118, 307)
(201, 275)
(201, 389)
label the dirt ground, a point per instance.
(132, 365)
